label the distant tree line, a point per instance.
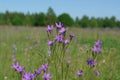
(43, 19)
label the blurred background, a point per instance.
(78, 13)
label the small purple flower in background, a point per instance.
(14, 47)
(97, 73)
(59, 25)
(62, 30)
(47, 76)
(50, 43)
(49, 28)
(45, 67)
(38, 71)
(28, 76)
(59, 38)
(13, 59)
(80, 73)
(97, 47)
(18, 68)
(71, 36)
(66, 41)
(91, 62)
(98, 43)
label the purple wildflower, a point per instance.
(45, 67)
(18, 68)
(47, 76)
(59, 38)
(66, 41)
(49, 28)
(97, 73)
(80, 73)
(98, 43)
(91, 62)
(59, 25)
(28, 76)
(97, 47)
(71, 36)
(38, 71)
(62, 30)
(50, 43)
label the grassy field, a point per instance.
(32, 46)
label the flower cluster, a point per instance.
(92, 62)
(32, 76)
(60, 37)
(58, 43)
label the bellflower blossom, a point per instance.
(62, 30)
(66, 41)
(98, 43)
(50, 43)
(71, 36)
(59, 38)
(49, 28)
(97, 47)
(28, 76)
(37, 72)
(97, 73)
(47, 76)
(45, 67)
(91, 62)
(59, 25)
(18, 68)
(80, 73)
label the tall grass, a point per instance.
(31, 44)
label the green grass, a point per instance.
(28, 54)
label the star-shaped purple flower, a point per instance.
(59, 38)
(80, 73)
(50, 43)
(47, 76)
(97, 73)
(66, 41)
(18, 68)
(28, 76)
(59, 25)
(62, 30)
(44, 67)
(91, 62)
(50, 28)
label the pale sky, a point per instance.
(96, 8)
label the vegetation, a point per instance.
(30, 47)
(43, 19)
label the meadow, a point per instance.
(29, 45)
